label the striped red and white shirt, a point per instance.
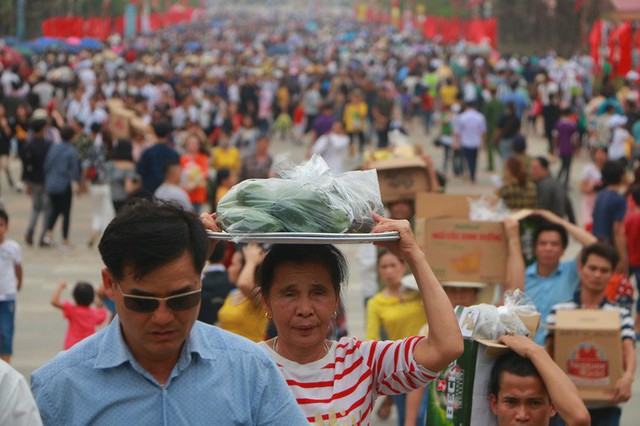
(341, 388)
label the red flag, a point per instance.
(595, 38)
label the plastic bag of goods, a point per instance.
(494, 322)
(305, 198)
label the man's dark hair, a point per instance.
(147, 234)
(612, 173)
(174, 162)
(217, 256)
(543, 162)
(96, 127)
(38, 125)
(162, 129)
(83, 293)
(67, 133)
(551, 227)
(223, 174)
(4, 216)
(324, 255)
(514, 364)
(602, 249)
(519, 144)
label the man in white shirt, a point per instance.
(333, 147)
(170, 191)
(468, 132)
(17, 407)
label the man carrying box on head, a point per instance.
(597, 263)
(548, 281)
(526, 386)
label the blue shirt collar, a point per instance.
(532, 271)
(113, 350)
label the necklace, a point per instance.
(327, 346)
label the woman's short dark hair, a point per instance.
(512, 363)
(83, 293)
(551, 227)
(147, 234)
(325, 255)
(383, 252)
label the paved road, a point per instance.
(40, 328)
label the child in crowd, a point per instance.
(10, 284)
(82, 318)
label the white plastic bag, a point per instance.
(307, 198)
(494, 322)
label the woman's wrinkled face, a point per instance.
(301, 300)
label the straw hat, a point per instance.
(486, 292)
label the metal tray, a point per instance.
(304, 238)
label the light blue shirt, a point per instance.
(547, 291)
(220, 378)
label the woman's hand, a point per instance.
(253, 254)
(406, 246)
(208, 220)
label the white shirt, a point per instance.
(17, 407)
(175, 195)
(10, 257)
(332, 147)
(616, 150)
(471, 127)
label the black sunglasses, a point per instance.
(178, 302)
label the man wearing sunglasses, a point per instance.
(154, 364)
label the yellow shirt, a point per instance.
(354, 117)
(399, 318)
(448, 94)
(228, 158)
(240, 316)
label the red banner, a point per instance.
(101, 28)
(453, 30)
(620, 48)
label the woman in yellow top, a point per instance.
(399, 312)
(225, 155)
(355, 116)
(448, 93)
(242, 312)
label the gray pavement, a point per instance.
(40, 328)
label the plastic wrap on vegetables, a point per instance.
(307, 198)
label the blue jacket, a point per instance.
(61, 167)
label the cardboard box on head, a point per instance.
(120, 122)
(458, 248)
(588, 347)
(460, 392)
(401, 179)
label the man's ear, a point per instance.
(552, 409)
(493, 403)
(107, 283)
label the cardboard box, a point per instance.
(588, 347)
(401, 178)
(120, 123)
(460, 393)
(459, 249)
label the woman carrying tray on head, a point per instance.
(340, 380)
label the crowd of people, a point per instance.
(208, 99)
